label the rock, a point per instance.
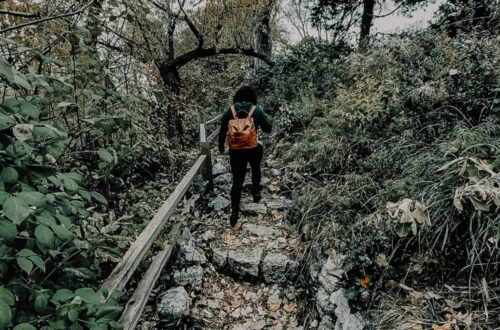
(219, 203)
(345, 319)
(219, 258)
(278, 268)
(189, 255)
(261, 231)
(192, 275)
(174, 303)
(254, 208)
(279, 204)
(323, 302)
(275, 172)
(224, 179)
(245, 263)
(207, 236)
(331, 273)
(218, 169)
(326, 323)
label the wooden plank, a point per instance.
(215, 119)
(213, 135)
(126, 267)
(135, 306)
(203, 133)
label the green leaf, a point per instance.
(44, 235)
(16, 209)
(62, 295)
(9, 175)
(85, 194)
(41, 132)
(72, 315)
(20, 80)
(8, 230)
(38, 261)
(33, 198)
(403, 229)
(89, 296)
(46, 219)
(6, 71)
(70, 184)
(28, 109)
(40, 303)
(5, 314)
(24, 326)
(99, 197)
(22, 107)
(62, 232)
(105, 155)
(25, 264)
(6, 121)
(64, 220)
(6, 296)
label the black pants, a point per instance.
(239, 160)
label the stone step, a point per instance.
(261, 231)
(254, 263)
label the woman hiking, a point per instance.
(239, 128)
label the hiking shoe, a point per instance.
(256, 196)
(233, 219)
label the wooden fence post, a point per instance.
(206, 150)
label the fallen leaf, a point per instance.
(229, 237)
(289, 308)
(381, 260)
(365, 280)
(391, 284)
(274, 307)
(446, 326)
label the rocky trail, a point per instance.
(238, 278)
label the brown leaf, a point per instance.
(446, 326)
(365, 280)
(391, 284)
(274, 307)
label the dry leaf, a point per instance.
(289, 308)
(446, 326)
(391, 284)
(229, 237)
(274, 307)
(365, 280)
(381, 260)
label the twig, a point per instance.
(19, 14)
(20, 26)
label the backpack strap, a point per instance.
(235, 116)
(251, 111)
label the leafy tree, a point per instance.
(339, 16)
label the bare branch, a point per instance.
(20, 26)
(19, 14)
(388, 14)
(206, 52)
(191, 25)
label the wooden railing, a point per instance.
(124, 270)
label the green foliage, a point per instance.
(42, 208)
(405, 149)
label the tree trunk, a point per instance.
(172, 83)
(262, 32)
(366, 22)
(170, 77)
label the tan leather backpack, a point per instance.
(242, 133)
